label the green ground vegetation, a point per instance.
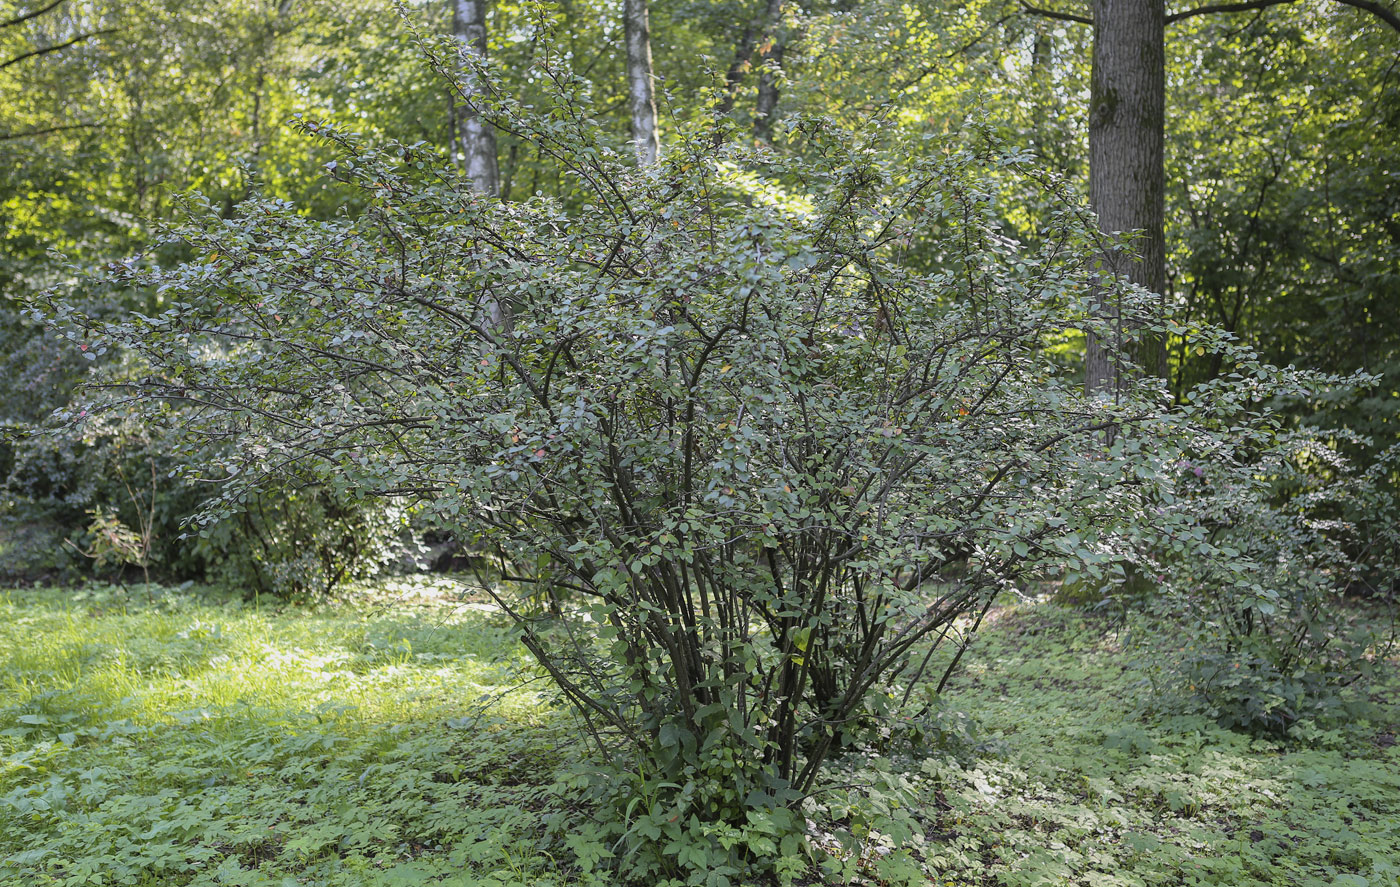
(404, 738)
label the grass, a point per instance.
(1091, 779)
(403, 739)
(194, 741)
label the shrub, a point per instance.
(737, 414)
(117, 492)
(110, 477)
(304, 541)
(1262, 592)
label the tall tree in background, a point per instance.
(762, 37)
(641, 82)
(478, 139)
(1126, 171)
(772, 48)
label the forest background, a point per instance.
(1280, 188)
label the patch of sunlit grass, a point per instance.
(219, 743)
(142, 663)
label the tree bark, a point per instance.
(734, 77)
(765, 21)
(478, 138)
(768, 94)
(772, 49)
(1126, 171)
(641, 84)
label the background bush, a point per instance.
(303, 541)
(1261, 596)
(298, 539)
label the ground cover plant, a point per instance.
(191, 740)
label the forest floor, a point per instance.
(404, 738)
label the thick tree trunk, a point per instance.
(478, 139)
(641, 85)
(1126, 172)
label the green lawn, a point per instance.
(404, 740)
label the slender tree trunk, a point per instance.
(773, 47)
(1040, 57)
(1042, 88)
(764, 22)
(641, 84)
(768, 94)
(734, 77)
(478, 139)
(1126, 172)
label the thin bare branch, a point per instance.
(1376, 9)
(26, 16)
(45, 50)
(1060, 16)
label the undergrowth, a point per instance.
(1093, 779)
(200, 742)
(194, 740)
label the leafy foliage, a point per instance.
(756, 431)
(1262, 596)
(304, 541)
(115, 483)
(94, 141)
(1286, 233)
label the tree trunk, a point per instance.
(641, 86)
(734, 77)
(768, 94)
(478, 139)
(1042, 88)
(773, 48)
(1126, 171)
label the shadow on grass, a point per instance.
(1098, 782)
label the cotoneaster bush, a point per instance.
(296, 539)
(1261, 594)
(736, 434)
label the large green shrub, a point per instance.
(710, 409)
